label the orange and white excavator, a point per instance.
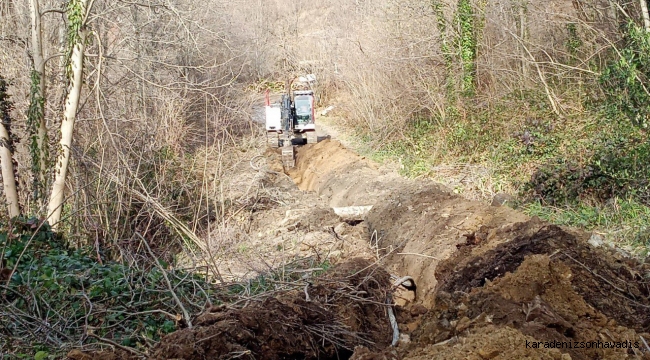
(291, 121)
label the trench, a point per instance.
(504, 259)
(488, 279)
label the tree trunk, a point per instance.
(523, 21)
(6, 160)
(75, 75)
(8, 180)
(39, 150)
(644, 13)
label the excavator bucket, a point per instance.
(288, 156)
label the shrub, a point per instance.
(624, 80)
(617, 166)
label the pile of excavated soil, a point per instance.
(551, 287)
(420, 224)
(326, 319)
(345, 309)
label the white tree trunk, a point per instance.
(39, 67)
(8, 180)
(646, 16)
(55, 205)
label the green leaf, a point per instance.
(41, 355)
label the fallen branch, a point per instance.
(186, 315)
(113, 343)
(416, 254)
(645, 343)
(307, 298)
(595, 274)
(608, 282)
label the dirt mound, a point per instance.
(340, 176)
(488, 342)
(491, 283)
(614, 285)
(421, 223)
(344, 309)
(548, 287)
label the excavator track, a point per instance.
(272, 140)
(312, 138)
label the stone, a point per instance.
(501, 199)
(463, 324)
(596, 240)
(341, 229)
(488, 354)
(417, 310)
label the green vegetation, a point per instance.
(566, 171)
(77, 293)
(75, 13)
(624, 80)
(35, 113)
(445, 48)
(573, 42)
(458, 47)
(517, 129)
(586, 165)
(467, 45)
(626, 220)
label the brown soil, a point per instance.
(344, 310)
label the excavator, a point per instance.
(292, 120)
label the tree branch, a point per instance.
(186, 315)
(60, 11)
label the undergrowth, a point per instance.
(287, 274)
(60, 297)
(624, 221)
(517, 129)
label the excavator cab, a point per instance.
(304, 110)
(304, 123)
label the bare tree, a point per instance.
(645, 15)
(6, 150)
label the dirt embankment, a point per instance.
(491, 278)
